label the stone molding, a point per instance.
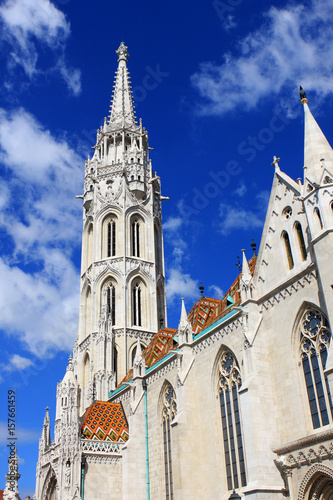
(287, 291)
(103, 459)
(162, 371)
(100, 447)
(84, 344)
(306, 441)
(211, 338)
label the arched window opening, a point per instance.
(300, 238)
(135, 237)
(320, 222)
(86, 370)
(285, 237)
(111, 238)
(229, 383)
(115, 364)
(109, 301)
(332, 206)
(91, 187)
(89, 248)
(136, 301)
(315, 338)
(169, 413)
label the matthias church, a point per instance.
(236, 402)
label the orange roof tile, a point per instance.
(105, 421)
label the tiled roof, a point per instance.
(207, 311)
(105, 421)
(201, 312)
(157, 349)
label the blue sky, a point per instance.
(216, 85)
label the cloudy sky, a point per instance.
(216, 84)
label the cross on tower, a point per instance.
(275, 161)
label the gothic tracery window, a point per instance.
(169, 412)
(229, 383)
(315, 339)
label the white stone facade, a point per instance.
(244, 404)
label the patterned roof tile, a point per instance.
(105, 421)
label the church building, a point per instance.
(234, 403)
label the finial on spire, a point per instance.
(253, 246)
(201, 288)
(122, 52)
(302, 95)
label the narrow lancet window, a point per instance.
(111, 302)
(169, 413)
(320, 222)
(300, 238)
(229, 383)
(285, 237)
(111, 239)
(135, 236)
(136, 300)
(315, 340)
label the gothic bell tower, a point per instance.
(122, 272)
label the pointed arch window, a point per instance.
(169, 412)
(301, 241)
(320, 222)
(108, 309)
(135, 238)
(137, 304)
(286, 240)
(111, 238)
(315, 338)
(229, 384)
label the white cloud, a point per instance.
(215, 292)
(241, 190)
(292, 46)
(173, 224)
(17, 363)
(238, 217)
(28, 23)
(39, 284)
(180, 285)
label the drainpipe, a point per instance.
(83, 466)
(144, 387)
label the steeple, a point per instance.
(316, 146)
(246, 280)
(122, 109)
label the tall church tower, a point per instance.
(122, 272)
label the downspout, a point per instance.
(144, 386)
(83, 466)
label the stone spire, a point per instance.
(247, 280)
(316, 147)
(185, 333)
(11, 491)
(122, 109)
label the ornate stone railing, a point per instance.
(100, 447)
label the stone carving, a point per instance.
(217, 336)
(289, 290)
(91, 446)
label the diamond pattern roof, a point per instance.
(105, 421)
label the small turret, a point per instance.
(185, 332)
